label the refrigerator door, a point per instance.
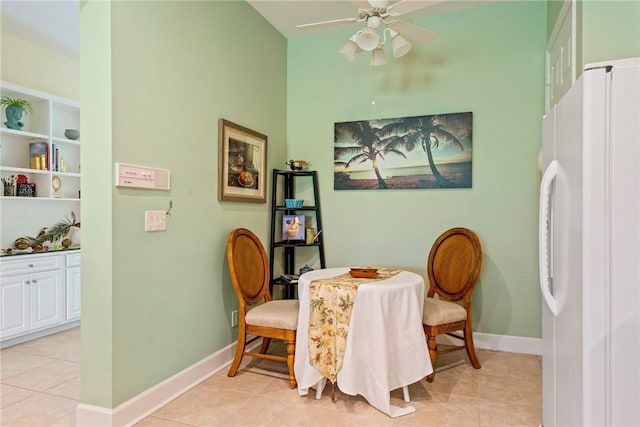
(546, 270)
(624, 273)
(595, 262)
(567, 257)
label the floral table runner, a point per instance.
(331, 302)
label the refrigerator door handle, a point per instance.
(545, 219)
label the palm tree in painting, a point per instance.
(369, 146)
(428, 132)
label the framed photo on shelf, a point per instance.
(242, 163)
(293, 227)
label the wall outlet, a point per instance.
(234, 318)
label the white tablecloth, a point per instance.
(386, 347)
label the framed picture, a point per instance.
(433, 151)
(242, 163)
(293, 227)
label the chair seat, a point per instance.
(438, 312)
(281, 314)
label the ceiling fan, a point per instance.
(377, 14)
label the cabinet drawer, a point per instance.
(30, 264)
(73, 260)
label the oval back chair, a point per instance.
(258, 314)
(453, 268)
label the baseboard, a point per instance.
(147, 402)
(39, 334)
(507, 343)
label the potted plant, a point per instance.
(14, 108)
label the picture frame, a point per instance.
(415, 152)
(293, 227)
(242, 163)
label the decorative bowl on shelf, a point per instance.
(293, 203)
(364, 272)
(297, 165)
(72, 134)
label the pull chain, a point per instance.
(373, 85)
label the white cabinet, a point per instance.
(73, 286)
(38, 292)
(46, 298)
(14, 305)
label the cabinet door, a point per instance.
(14, 305)
(73, 293)
(46, 298)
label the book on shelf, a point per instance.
(55, 158)
(289, 278)
(293, 227)
(39, 155)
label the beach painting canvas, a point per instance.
(433, 151)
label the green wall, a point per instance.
(156, 77)
(489, 61)
(610, 30)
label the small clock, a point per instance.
(56, 183)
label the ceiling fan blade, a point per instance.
(332, 22)
(413, 31)
(408, 6)
(361, 4)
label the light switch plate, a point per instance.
(155, 220)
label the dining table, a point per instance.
(385, 343)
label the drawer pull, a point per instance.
(30, 265)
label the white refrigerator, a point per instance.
(590, 250)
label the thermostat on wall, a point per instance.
(134, 176)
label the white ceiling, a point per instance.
(50, 24)
(53, 24)
(284, 15)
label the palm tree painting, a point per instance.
(433, 151)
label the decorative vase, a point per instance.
(74, 235)
(14, 114)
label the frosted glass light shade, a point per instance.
(367, 39)
(377, 57)
(400, 46)
(349, 50)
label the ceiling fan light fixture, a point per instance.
(367, 39)
(377, 57)
(349, 50)
(400, 46)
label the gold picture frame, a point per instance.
(242, 163)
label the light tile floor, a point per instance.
(41, 387)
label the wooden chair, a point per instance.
(453, 268)
(266, 319)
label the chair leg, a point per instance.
(469, 347)
(433, 354)
(291, 350)
(265, 345)
(239, 353)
